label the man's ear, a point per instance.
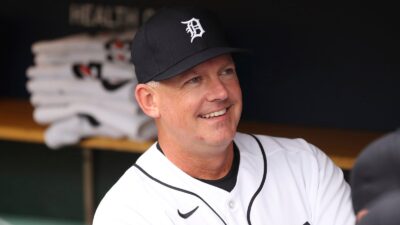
(146, 99)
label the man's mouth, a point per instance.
(214, 114)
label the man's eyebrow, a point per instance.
(228, 65)
(187, 74)
(192, 71)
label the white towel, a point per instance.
(43, 100)
(135, 126)
(121, 57)
(85, 42)
(121, 91)
(71, 130)
(107, 71)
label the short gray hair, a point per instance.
(153, 83)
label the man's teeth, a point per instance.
(214, 114)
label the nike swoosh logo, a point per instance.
(186, 215)
(109, 86)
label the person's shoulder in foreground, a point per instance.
(375, 181)
(201, 171)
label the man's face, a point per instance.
(202, 105)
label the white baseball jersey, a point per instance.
(279, 182)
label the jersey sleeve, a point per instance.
(115, 215)
(332, 204)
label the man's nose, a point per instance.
(217, 90)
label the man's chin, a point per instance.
(220, 138)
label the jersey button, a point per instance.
(231, 204)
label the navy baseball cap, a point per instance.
(174, 40)
(376, 171)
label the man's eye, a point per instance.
(228, 71)
(194, 80)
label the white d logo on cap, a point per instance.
(194, 28)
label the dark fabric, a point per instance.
(376, 170)
(383, 211)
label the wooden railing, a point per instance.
(342, 146)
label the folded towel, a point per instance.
(107, 71)
(135, 126)
(43, 100)
(85, 42)
(71, 130)
(82, 57)
(119, 91)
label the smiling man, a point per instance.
(200, 110)
(201, 170)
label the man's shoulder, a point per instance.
(131, 182)
(127, 184)
(274, 144)
(118, 198)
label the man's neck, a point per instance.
(195, 161)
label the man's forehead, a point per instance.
(219, 62)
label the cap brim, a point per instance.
(194, 60)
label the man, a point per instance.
(375, 181)
(201, 170)
(382, 211)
